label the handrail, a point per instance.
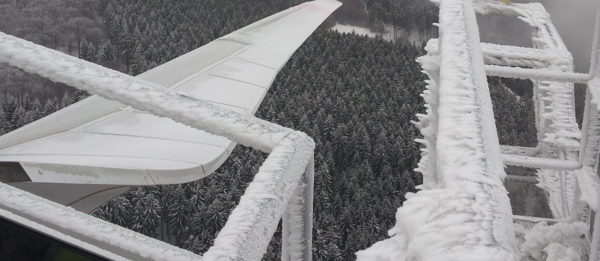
(281, 188)
(468, 150)
(462, 197)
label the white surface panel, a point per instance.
(192, 62)
(72, 116)
(263, 56)
(284, 33)
(129, 123)
(244, 71)
(90, 144)
(224, 91)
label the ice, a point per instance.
(566, 241)
(463, 212)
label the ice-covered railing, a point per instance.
(569, 157)
(462, 211)
(566, 158)
(558, 133)
(590, 145)
(551, 70)
(282, 188)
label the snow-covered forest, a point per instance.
(355, 96)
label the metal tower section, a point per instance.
(462, 211)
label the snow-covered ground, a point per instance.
(344, 28)
(388, 35)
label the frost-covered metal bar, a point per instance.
(540, 163)
(296, 225)
(251, 225)
(590, 144)
(469, 156)
(558, 133)
(537, 219)
(521, 151)
(523, 179)
(498, 59)
(505, 55)
(536, 74)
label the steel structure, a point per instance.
(462, 211)
(463, 162)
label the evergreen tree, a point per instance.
(67, 100)
(146, 213)
(108, 52)
(178, 211)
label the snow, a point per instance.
(501, 59)
(298, 217)
(283, 186)
(412, 36)
(558, 252)
(560, 241)
(385, 250)
(433, 226)
(344, 28)
(558, 132)
(521, 151)
(506, 55)
(462, 211)
(587, 178)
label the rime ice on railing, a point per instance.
(281, 188)
(566, 158)
(463, 212)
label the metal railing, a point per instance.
(282, 188)
(563, 152)
(458, 99)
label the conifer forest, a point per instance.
(355, 96)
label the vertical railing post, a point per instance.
(296, 232)
(591, 132)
